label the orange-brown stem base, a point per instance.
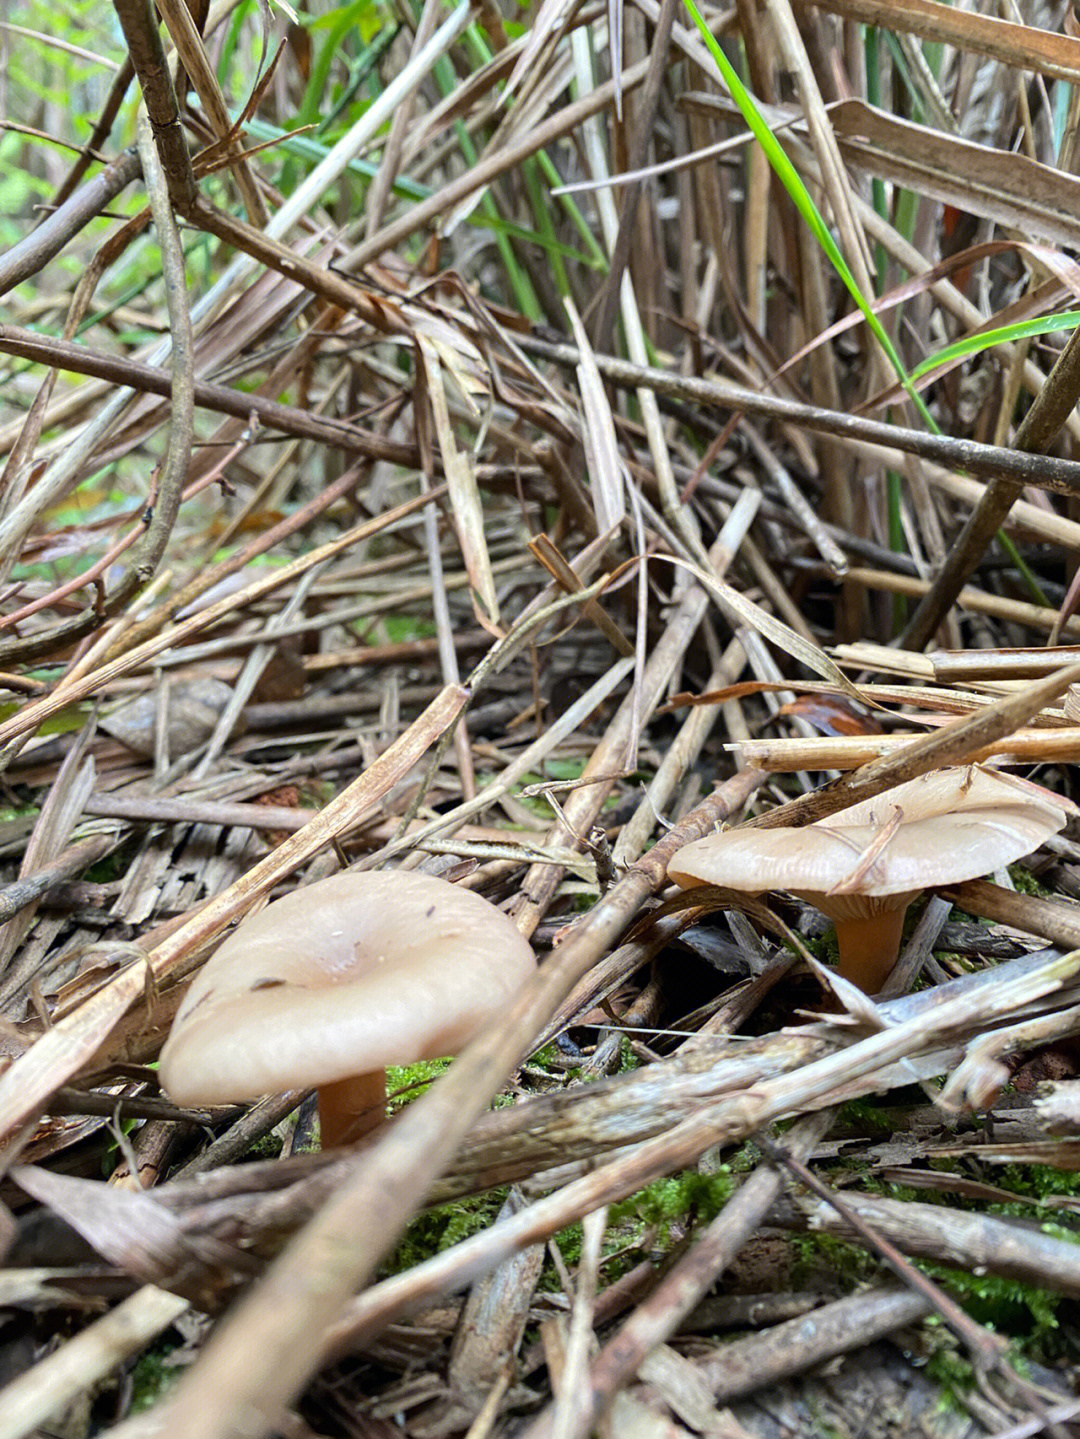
(352, 1108)
(869, 947)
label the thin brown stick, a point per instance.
(1048, 918)
(192, 54)
(79, 857)
(1046, 471)
(139, 24)
(963, 1239)
(39, 1393)
(846, 751)
(31, 255)
(954, 744)
(154, 380)
(763, 1360)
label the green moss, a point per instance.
(444, 1226)
(825, 1428)
(555, 770)
(1060, 1231)
(536, 803)
(569, 1241)
(12, 814)
(948, 1366)
(688, 1195)
(406, 1083)
(1027, 1314)
(402, 628)
(680, 1199)
(115, 865)
(152, 1378)
(863, 1114)
(961, 963)
(905, 1192)
(564, 768)
(817, 1254)
(1025, 882)
(745, 1159)
(825, 948)
(267, 1146)
(1009, 1306)
(628, 1060)
(547, 1058)
(1040, 1181)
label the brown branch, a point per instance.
(174, 467)
(1011, 1248)
(115, 98)
(330, 285)
(763, 1360)
(139, 24)
(192, 54)
(990, 461)
(25, 891)
(1049, 919)
(953, 744)
(287, 419)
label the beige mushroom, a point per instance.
(864, 865)
(328, 985)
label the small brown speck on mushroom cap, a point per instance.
(340, 978)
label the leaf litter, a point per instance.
(426, 526)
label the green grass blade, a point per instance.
(801, 198)
(800, 195)
(987, 339)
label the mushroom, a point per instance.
(864, 865)
(328, 985)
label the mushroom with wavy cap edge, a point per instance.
(864, 865)
(328, 985)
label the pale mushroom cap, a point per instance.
(346, 976)
(948, 825)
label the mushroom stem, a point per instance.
(869, 947)
(349, 1109)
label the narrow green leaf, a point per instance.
(987, 339)
(792, 181)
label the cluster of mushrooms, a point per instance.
(330, 984)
